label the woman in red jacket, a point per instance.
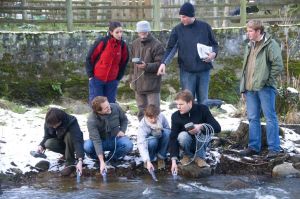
(106, 62)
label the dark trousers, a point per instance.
(100, 88)
(64, 147)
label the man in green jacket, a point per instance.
(262, 64)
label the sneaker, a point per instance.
(161, 164)
(200, 162)
(248, 152)
(185, 160)
(68, 170)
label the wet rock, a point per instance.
(193, 171)
(68, 170)
(296, 165)
(241, 136)
(295, 127)
(297, 141)
(230, 163)
(237, 184)
(42, 165)
(14, 171)
(285, 170)
(295, 158)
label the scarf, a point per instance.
(156, 129)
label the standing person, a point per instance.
(145, 82)
(62, 135)
(106, 63)
(262, 64)
(184, 137)
(153, 137)
(194, 72)
(107, 125)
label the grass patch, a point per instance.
(14, 107)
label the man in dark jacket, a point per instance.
(144, 80)
(194, 71)
(107, 125)
(185, 136)
(62, 135)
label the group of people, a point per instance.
(107, 123)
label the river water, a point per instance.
(216, 186)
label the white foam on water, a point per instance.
(219, 191)
(147, 191)
(186, 187)
(276, 193)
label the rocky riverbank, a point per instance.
(21, 133)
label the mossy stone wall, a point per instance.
(39, 67)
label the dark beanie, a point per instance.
(187, 9)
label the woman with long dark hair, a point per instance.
(106, 63)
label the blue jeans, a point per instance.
(264, 100)
(188, 145)
(100, 88)
(159, 146)
(124, 146)
(197, 83)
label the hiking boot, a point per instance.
(200, 162)
(272, 154)
(68, 170)
(161, 164)
(185, 160)
(248, 152)
(61, 159)
(37, 154)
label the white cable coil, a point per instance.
(202, 137)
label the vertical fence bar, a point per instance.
(156, 14)
(69, 15)
(87, 12)
(225, 22)
(243, 13)
(216, 10)
(24, 13)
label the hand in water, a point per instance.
(150, 166)
(174, 168)
(79, 167)
(153, 175)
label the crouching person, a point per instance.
(153, 137)
(62, 135)
(107, 125)
(184, 135)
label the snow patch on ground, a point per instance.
(22, 133)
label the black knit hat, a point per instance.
(187, 9)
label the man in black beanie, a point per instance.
(194, 71)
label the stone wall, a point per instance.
(37, 67)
